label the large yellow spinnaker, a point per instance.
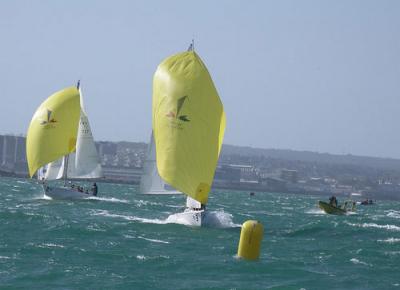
(188, 124)
(53, 130)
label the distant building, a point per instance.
(289, 175)
(247, 172)
(13, 154)
(274, 184)
(106, 148)
(2, 153)
(20, 149)
(9, 152)
(227, 173)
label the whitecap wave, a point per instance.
(43, 196)
(390, 241)
(109, 199)
(141, 203)
(106, 213)
(357, 261)
(50, 245)
(147, 239)
(373, 225)
(394, 214)
(153, 240)
(215, 219)
(316, 211)
(22, 182)
(143, 257)
(219, 219)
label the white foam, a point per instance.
(45, 197)
(391, 253)
(317, 211)
(390, 241)
(153, 240)
(219, 219)
(50, 245)
(23, 182)
(142, 257)
(141, 203)
(394, 214)
(357, 261)
(216, 219)
(373, 225)
(109, 199)
(128, 217)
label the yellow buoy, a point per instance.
(250, 240)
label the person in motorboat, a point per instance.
(94, 189)
(333, 201)
(367, 202)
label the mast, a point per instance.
(66, 157)
(65, 170)
(191, 46)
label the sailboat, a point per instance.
(60, 145)
(188, 127)
(150, 181)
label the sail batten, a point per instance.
(188, 124)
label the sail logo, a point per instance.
(49, 120)
(177, 115)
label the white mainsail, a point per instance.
(54, 170)
(150, 181)
(84, 163)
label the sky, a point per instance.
(308, 75)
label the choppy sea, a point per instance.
(125, 240)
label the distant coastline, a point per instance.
(246, 168)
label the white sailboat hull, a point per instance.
(190, 217)
(65, 193)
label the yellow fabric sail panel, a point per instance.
(188, 124)
(53, 129)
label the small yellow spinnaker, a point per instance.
(188, 124)
(53, 129)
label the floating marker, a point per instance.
(250, 240)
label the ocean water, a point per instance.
(124, 240)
